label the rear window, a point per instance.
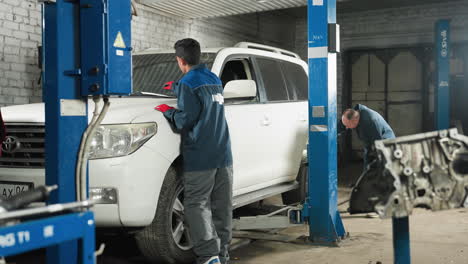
(296, 79)
(152, 71)
(275, 86)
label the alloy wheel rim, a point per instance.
(179, 230)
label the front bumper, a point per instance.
(135, 179)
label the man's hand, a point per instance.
(163, 108)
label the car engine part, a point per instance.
(428, 170)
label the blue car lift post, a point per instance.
(319, 210)
(401, 237)
(325, 225)
(86, 53)
(442, 93)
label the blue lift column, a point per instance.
(325, 225)
(442, 85)
(401, 240)
(87, 52)
(65, 108)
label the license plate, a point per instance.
(9, 189)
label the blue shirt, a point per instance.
(372, 126)
(200, 118)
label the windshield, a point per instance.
(152, 71)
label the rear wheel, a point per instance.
(298, 195)
(166, 239)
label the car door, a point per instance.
(288, 116)
(249, 127)
(297, 83)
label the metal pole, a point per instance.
(325, 225)
(66, 110)
(401, 241)
(442, 85)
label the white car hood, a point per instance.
(122, 110)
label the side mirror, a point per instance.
(240, 89)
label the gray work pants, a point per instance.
(208, 212)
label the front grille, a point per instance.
(30, 152)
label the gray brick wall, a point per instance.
(402, 26)
(20, 34)
(394, 27)
(154, 29)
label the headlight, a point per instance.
(120, 140)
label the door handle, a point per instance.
(266, 121)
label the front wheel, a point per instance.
(166, 239)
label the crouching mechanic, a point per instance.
(206, 153)
(370, 126)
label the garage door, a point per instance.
(391, 82)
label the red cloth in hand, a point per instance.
(168, 85)
(163, 108)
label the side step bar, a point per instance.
(255, 196)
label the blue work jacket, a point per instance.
(372, 126)
(200, 118)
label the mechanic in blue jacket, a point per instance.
(369, 125)
(206, 153)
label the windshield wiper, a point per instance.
(151, 94)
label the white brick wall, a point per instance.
(20, 34)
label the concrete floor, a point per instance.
(438, 238)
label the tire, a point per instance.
(157, 241)
(298, 195)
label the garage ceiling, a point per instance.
(217, 8)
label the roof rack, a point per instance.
(250, 45)
(153, 49)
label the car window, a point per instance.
(237, 69)
(296, 79)
(152, 71)
(273, 80)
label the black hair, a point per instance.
(189, 50)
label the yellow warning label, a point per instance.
(119, 41)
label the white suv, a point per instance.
(134, 162)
